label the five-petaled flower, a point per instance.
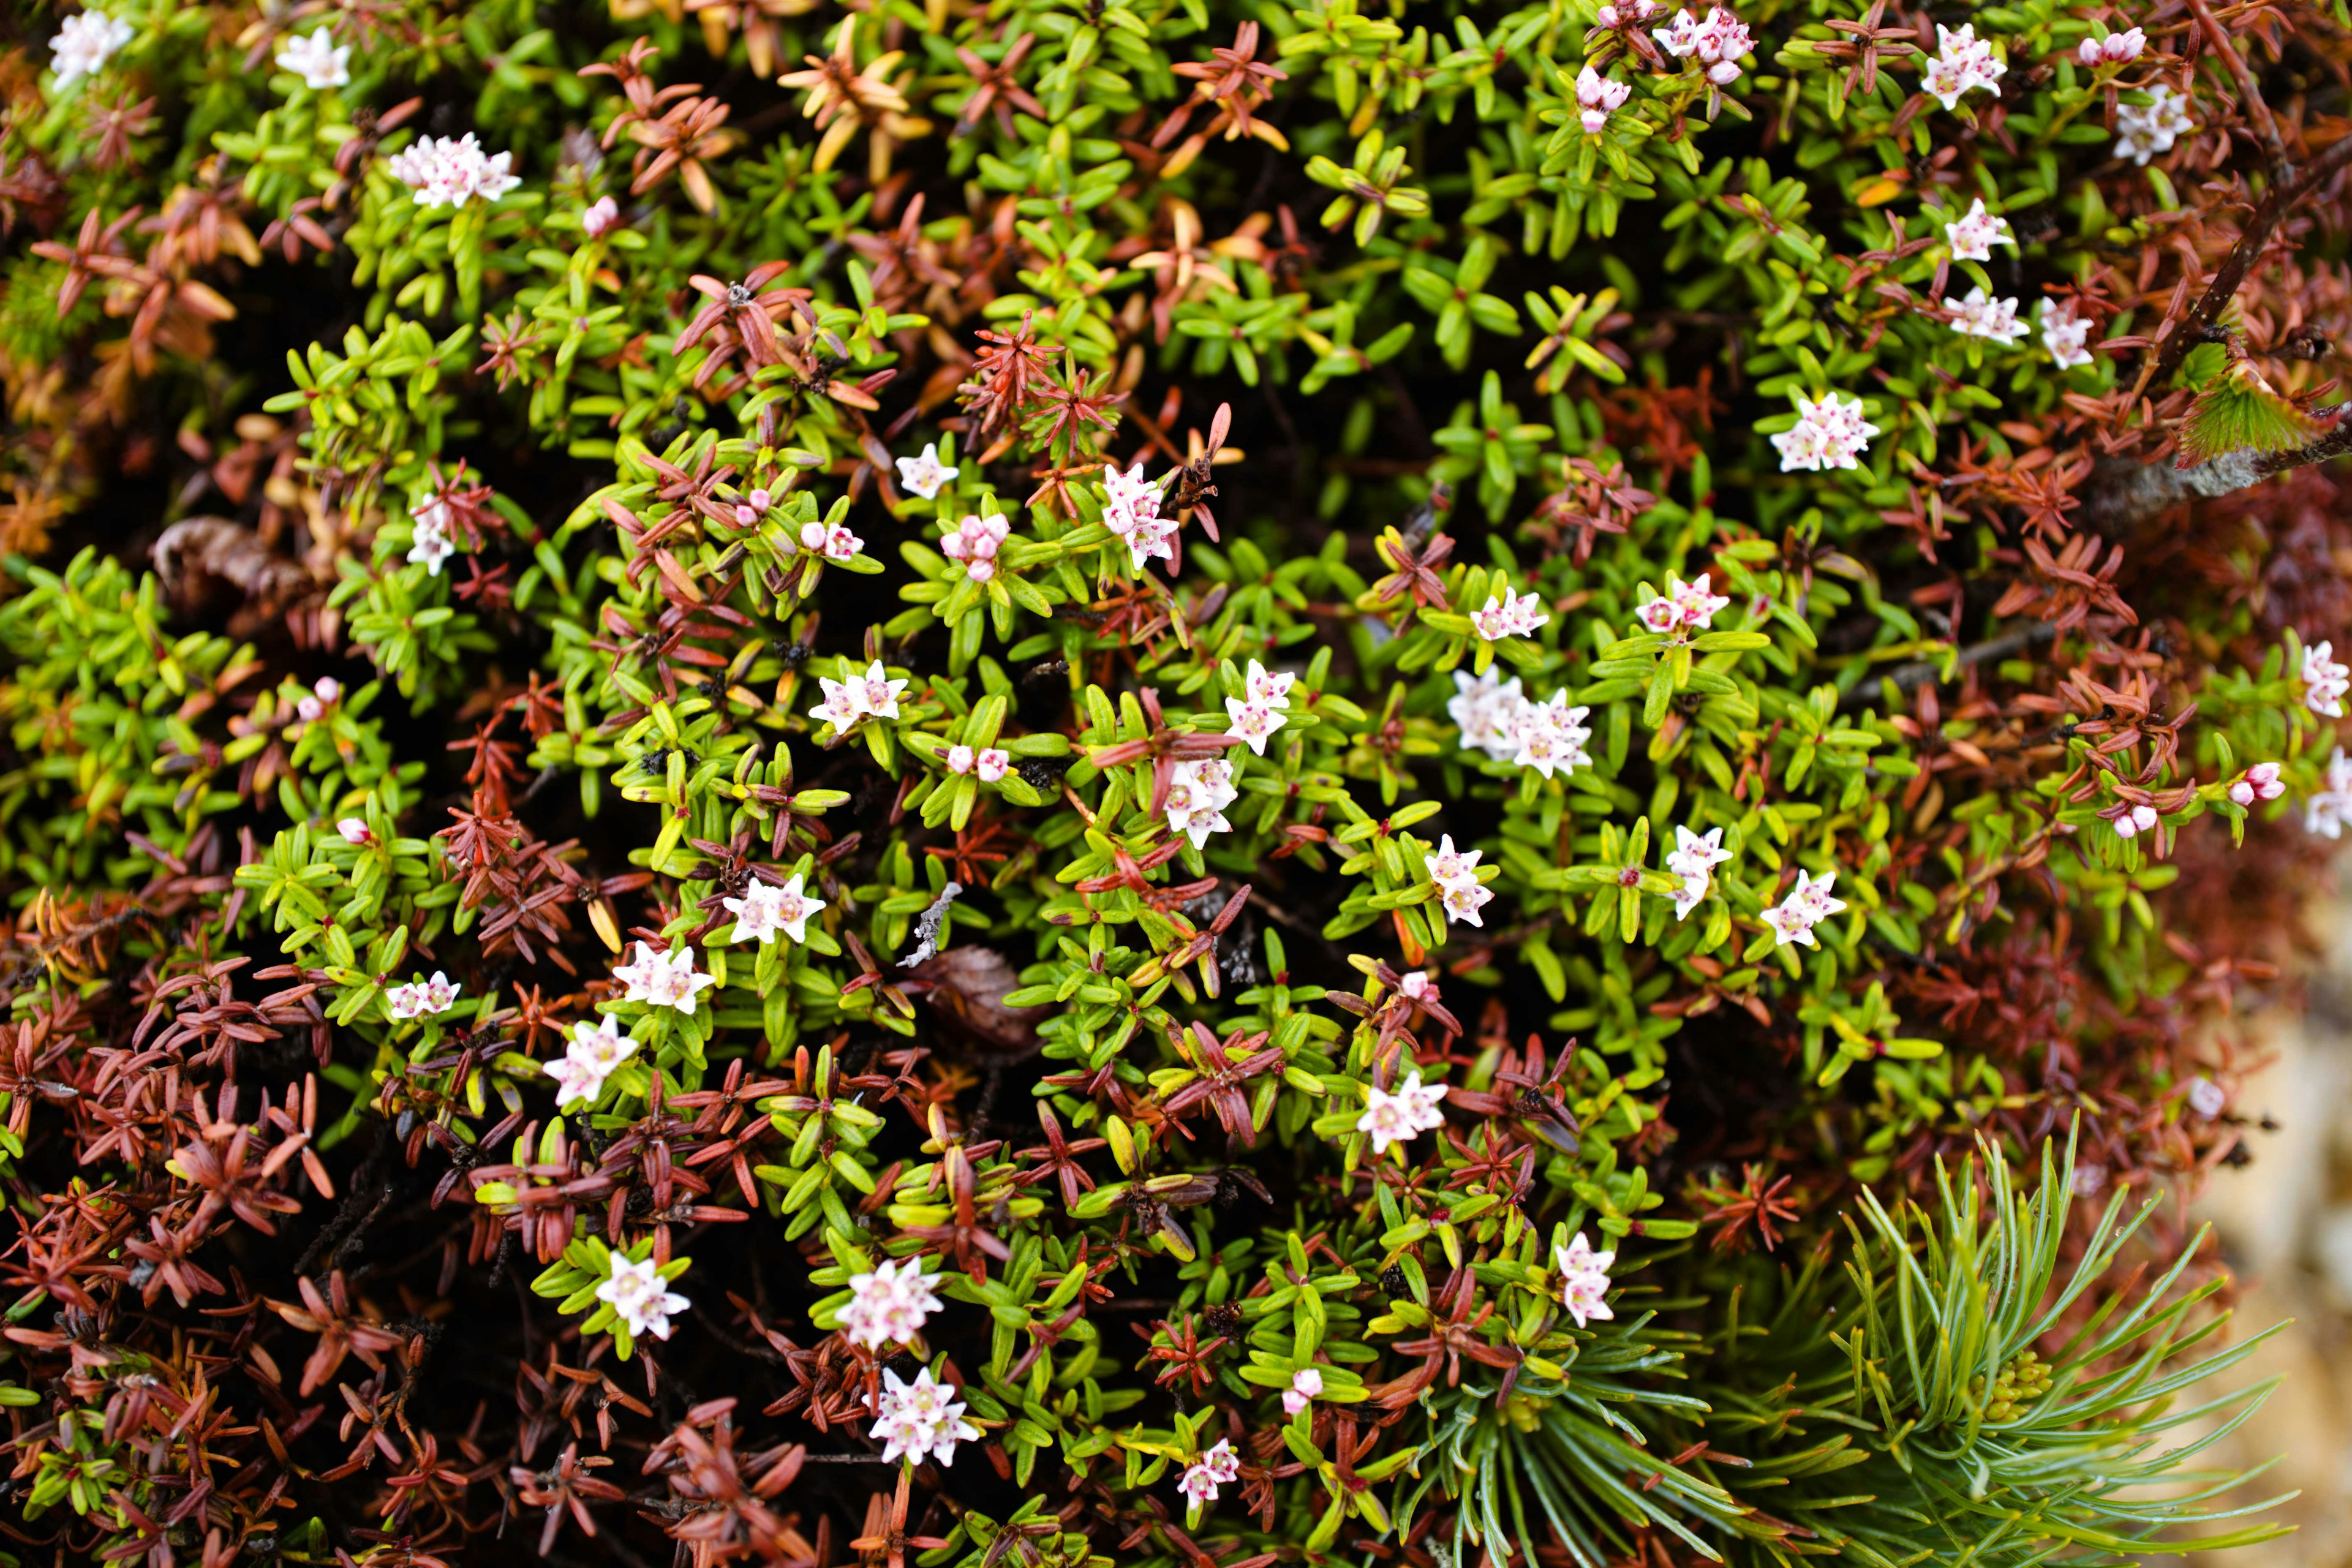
(924, 477)
(1583, 1280)
(1402, 1116)
(663, 980)
(596, 1051)
(766, 908)
(919, 1420)
(641, 1298)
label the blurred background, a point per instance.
(2285, 1226)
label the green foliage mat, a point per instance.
(1082, 782)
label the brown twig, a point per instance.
(2193, 329)
(1919, 672)
(2282, 165)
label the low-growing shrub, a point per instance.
(1083, 782)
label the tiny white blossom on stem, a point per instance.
(422, 998)
(1599, 96)
(1831, 433)
(84, 43)
(1198, 793)
(1808, 904)
(2065, 335)
(974, 542)
(1552, 735)
(1219, 1466)
(451, 172)
(641, 1298)
(2330, 808)
(1486, 708)
(317, 60)
(1131, 511)
(1963, 61)
(1306, 1384)
(2114, 49)
(1402, 1116)
(665, 980)
(1583, 1280)
(2206, 1098)
(1509, 615)
(1981, 316)
(2145, 130)
(766, 908)
(600, 218)
(429, 546)
(2324, 681)
(1977, 232)
(323, 693)
(2131, 824)
(919, 1420)
(1693, 859)
(355, 831)
(925, 476)
(889, 1304)
(1255, 723)
(1716, 43)
(596, 1051)
(2260, 782)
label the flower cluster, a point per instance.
(2145, 130)
(919, 1421)
(1583, 1280)
(1509, 615)
(1831, 433)
(84, 43)
(1809, 903)
(421, 998)
(313, 705)
(1131, 511)
(834, 541)
(972, 542)
(1263, 708)
(429, 542)
(2328, 809)
(2065, 335)
(1718, 43)
(1693, 859)
(2324, 681)
(1962, 61)
(595, 1051)
(641, 1298)
(926, 475)
(766, 908)
(1306, 1386)
(1460, 895)
(317, 60)
(1220, 1466)
(2260, 782)
(1199, 790)
(1599, 96)
(1495, 718)
(2114, 49)
(1977, 232)
(663, 980)
(1979, 316)
(1683, 608)
(889, 1304)
(873, 695)
(452, 171)
(2132, 821)
(1400, 1117)
(990, 763)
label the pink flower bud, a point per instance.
(2242, 793)
(760, 499)
(746, 517)
(2089, 52)
(959, 759)
(1607, 17)
(813, 536)
(601, 218)
(355, 831)
(982, 571)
